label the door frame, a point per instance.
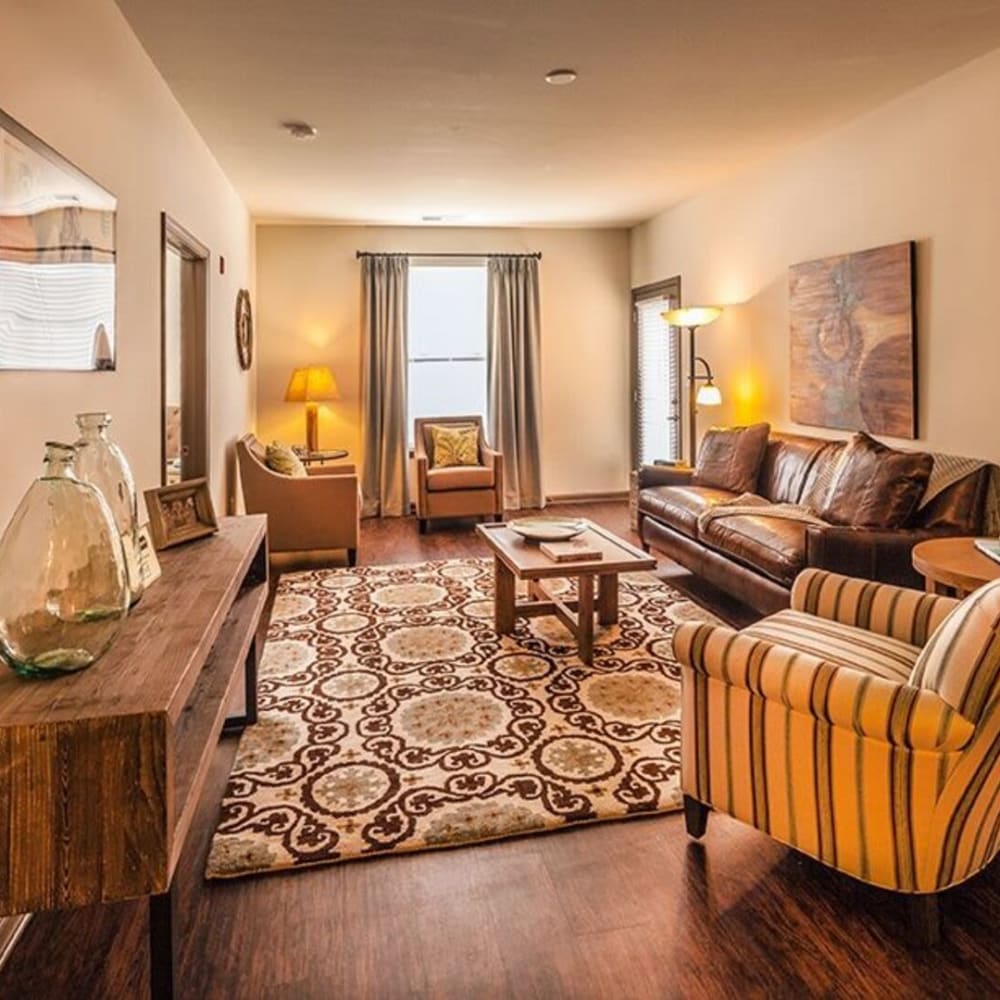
(194, 350)
(668, 288)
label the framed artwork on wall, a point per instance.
(853, 341)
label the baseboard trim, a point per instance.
(11, 929)
(588, 497)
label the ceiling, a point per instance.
(439, 107)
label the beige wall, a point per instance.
(309, 301)
(925, 167)
(73, 73)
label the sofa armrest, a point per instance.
(873, 554)
(899, 612)
(665, 475)
(870, 706)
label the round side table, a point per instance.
(953, 566)
(311, 457)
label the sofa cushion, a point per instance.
(787, 466)
(729, 458)
(876, 486)
(678, 507)
(844, 645)
(460, 477)
(775, 547)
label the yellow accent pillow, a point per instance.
(281, 459)
(456, 445)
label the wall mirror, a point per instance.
(57, 259)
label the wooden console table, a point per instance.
(102, 770)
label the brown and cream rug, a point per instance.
(393, 718)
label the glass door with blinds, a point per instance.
(656, 375)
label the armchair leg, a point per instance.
(925, 920)
(423, 525)
(695, 817)
(352, 557)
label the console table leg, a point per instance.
(162, 955)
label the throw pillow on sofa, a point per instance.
(875, 486)
(457, 445)
(282, 459)
(729, 457)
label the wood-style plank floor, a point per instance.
(624, 910)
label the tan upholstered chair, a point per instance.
(322, 511)
(461, 490)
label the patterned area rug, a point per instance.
(393, 718)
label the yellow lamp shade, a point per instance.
(311, 384)
(709, 395)
(693, 315)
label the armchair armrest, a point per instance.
(314, 512)
(870, 706)
(665, 475)
(898, 612)
(874, 554)
(331, 470)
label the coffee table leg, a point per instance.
(585, 618)
(504, 595)
(607, 598)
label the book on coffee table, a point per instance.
(575, 550)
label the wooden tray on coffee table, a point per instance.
(515, 559)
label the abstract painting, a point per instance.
(853, 341)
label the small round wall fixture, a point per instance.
(560, 77)
(244, 329)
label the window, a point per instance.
(656, 375)
(446, 341)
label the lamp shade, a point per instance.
(709, 395)
(311, 384)
(693, 315)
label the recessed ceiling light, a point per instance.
(560, 77)
(300, 130)
(446, 217)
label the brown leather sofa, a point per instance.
(756, 558)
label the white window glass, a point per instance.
(657, 383)
(446, 342)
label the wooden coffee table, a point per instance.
(516, 559)
(953, 565)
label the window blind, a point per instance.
(657, 383)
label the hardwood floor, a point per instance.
(627, 910)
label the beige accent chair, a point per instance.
(319, 512)
(459, 490)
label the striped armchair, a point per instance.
(861, 727)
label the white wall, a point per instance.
(73, 73)
(925, 167)
(309, 301)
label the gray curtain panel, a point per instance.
(383, 384)
(514, 377)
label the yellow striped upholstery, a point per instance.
(961, 661)
(844, 645)
(807, 726)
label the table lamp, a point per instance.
(311, 385)
(691, 318)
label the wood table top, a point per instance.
(156, 658)
(528, 562)
(955, 562)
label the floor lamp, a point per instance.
(708, 394)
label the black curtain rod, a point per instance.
(374, 253)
